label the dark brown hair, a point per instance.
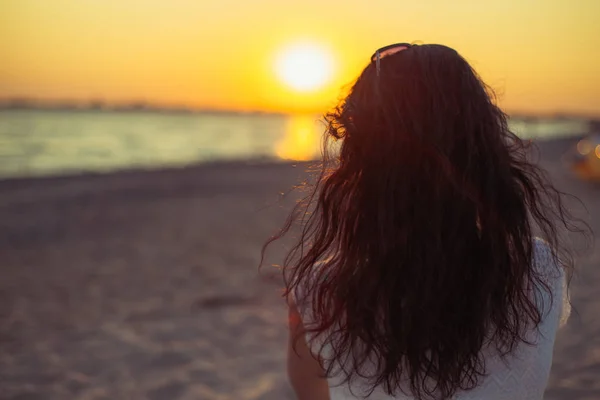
(417, 241)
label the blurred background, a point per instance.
(147, 149)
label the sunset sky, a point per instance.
(542, 56)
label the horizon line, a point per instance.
(30, 103)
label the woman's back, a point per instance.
(522, 375)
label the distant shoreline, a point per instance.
(18, 104)
(133, 109)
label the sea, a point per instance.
(64, 142)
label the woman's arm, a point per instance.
(304, 371)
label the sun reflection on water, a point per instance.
(302, 138)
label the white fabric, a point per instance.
(524, 374)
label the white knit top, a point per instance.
(522, 375)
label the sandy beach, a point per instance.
(144, 285)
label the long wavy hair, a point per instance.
(417, 237)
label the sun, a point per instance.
(304, 67)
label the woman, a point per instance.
(417, 274)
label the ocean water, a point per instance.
(35, 143)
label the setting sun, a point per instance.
(304, 67)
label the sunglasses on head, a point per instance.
(388, 50)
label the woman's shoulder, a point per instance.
(551, 272)
(541, 247)
(545, 258)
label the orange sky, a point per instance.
(541, 55)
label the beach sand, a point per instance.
(144, 285)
